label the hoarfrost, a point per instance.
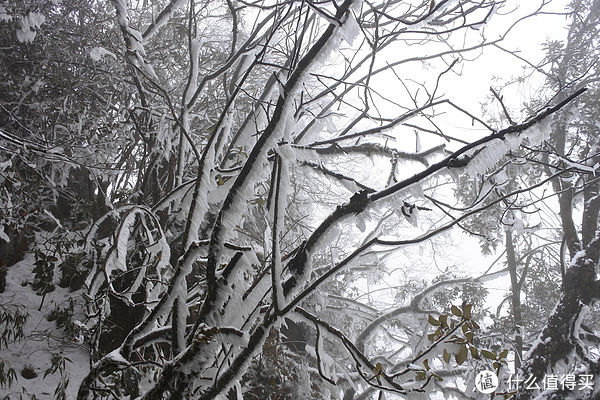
(539, 132)
(351, 186)
(360, 222)
(327, 363)
(3, 235)
(136, 51)
(164, 17)
(245, 189)
(5, 164)
(4, 16)
(116, 257)
(200, 203)
(278, 217)
(583, 313)
(487, 157)
(217, 194)
(299, 153)
(350, 30)
(238, 391)
(193, 84)
(183, 312)
(116, 356)
(96, 53)
(411, 213)
(28, 26)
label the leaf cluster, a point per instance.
(459, 328)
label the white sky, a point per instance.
(527, 38)
(469, 87)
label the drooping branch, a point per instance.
(361, 361)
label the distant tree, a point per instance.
(572, 151)
(550, 235)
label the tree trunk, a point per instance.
(515, 298)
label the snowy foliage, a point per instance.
(28, 26)
(244, 200)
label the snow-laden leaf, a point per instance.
(96, 53)
(28, 26)
(3, 235)
(4, 15)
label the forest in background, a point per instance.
(280, 199)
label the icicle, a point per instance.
(539, 132)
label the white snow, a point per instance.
(96, 53)
(175, 5)
(28, 26)
(43, 340)
(3, 234)
(4, 16)
(193, 85)
(350, 29)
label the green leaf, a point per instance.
(456, 311)
(421, 375)
(474, 352)
(426, 364)
(475, 326)
(467, 311)
(431, 337)
(496, 364)
(432, 320)
(378, 369)
(461, 357)
(444, 320)
(469, 335)
(488, 354)
(503, 354)
(446, 356)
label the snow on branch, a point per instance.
(292, 283)
(359, 203)
(163, 17)
(414, 306)
(277, 209)
(133, 41)
(272, 134)
(363, 365)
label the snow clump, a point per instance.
(28, 26)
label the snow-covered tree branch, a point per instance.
(242, 198)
